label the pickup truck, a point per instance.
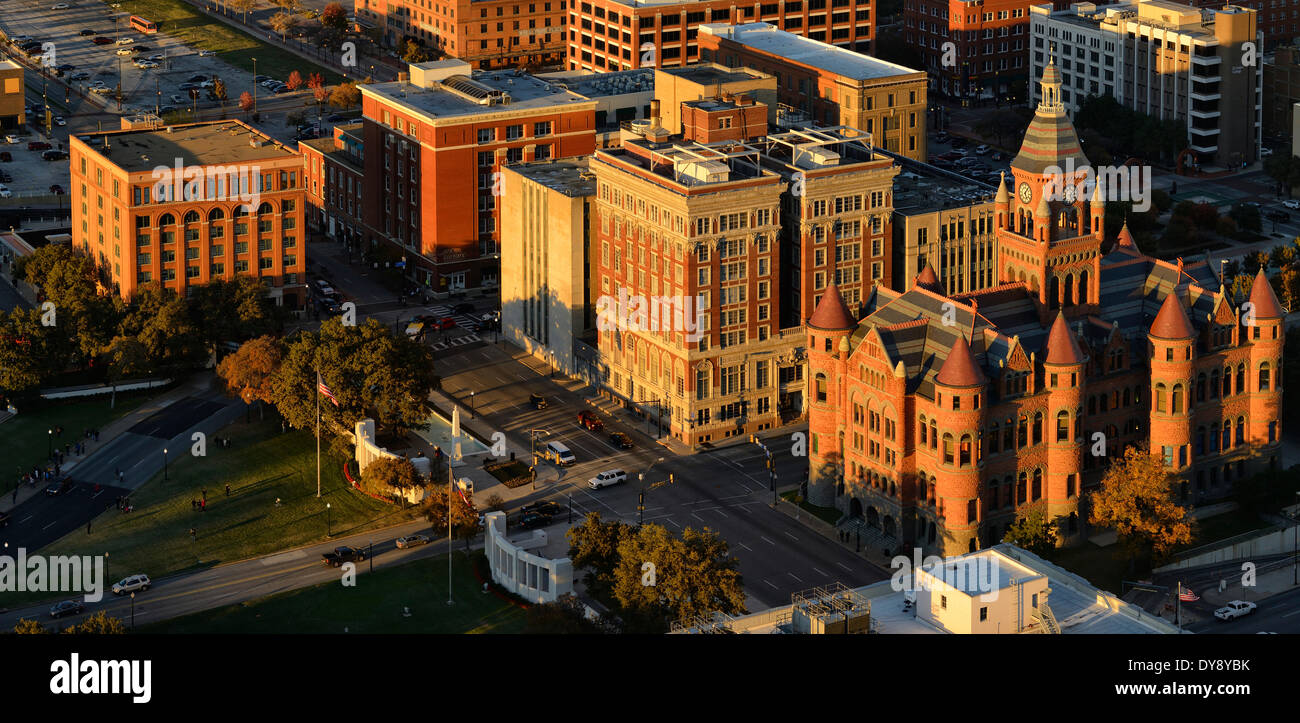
(342, 555)
(1235, 609)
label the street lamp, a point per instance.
(165, 464)
(254, 86)
(329, 528)
(471, 402)
(133, 611)
(49, 443)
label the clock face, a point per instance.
(1026, 193)
(1069, 194)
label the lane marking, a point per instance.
(774, 587)
(796, 539)
(747, 547)
(1297, 612)
(819, 572)
(846, 567)
(796, 577)
(764, 539)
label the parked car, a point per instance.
(412, 541)
(101, 40)
(531, 520)
(545, 507)
(86, 32)
(59, 121)
(67, 607)
(123, 51)
(187, 86)
(1235, 609)
(261, 78)
(620, 440)
(131, 584)
(588, 420)
(58, 487)
(53, 155)
(6, 193)
(82, 75)
(141, 49)
(1291, 203)
(342, 555)
(537, 400)
(607, 478)
(982, 150)
(125, 41)
(177, 99)
(1279, 216)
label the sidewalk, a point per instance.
(112, 431)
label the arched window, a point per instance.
(1062, 426)
(166, 220)
(1127, 399)
(216, 214)
(1022, 429)
(1038, 484)
(1241, 431)
(1020, 488)
(1227, 435)
(1177, 406)
(1038, 427)
(947, 449)
(1227, 381)
(1241, 377)
(1200, 441)
(922, 430)
(265, 208)
(1263, 377)
(191, 217)
(1200, 387)
(1160, 397)
(994, 438)
(963, 451)
(934, 434)
(821, 387)
(1214, 384)
(1009, 434)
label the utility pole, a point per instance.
(450, 601)
(771, 469)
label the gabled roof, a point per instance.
(960, 368)
(1172, 322)
(831, 314)
(1263, 299)
(1062, 347)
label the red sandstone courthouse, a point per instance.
(941, 419)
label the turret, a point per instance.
(1097, 210)
(1063, 374)
(1173, 364)
(1043, 220)
(1262, 328)
(828, 331)
(960, 398)
(1002, 203)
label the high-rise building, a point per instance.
(187, 204)
(1279, 22)
(827, 84)
(1281, 89)
(622, 34)
(938, 419)
(484, 33)
(1166, 59)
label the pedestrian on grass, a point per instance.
(194, 534)
(227, 490)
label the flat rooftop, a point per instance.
(202, 144)
(922, 188)
(571, 177)
(823, 56)
(597, 85)
(707, 74)
(691, 164)
(458, 95)
(8, 64)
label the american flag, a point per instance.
(1188, 596)
(461, 490)
(320, 385)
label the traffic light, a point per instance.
(753, 439)
(671, 480)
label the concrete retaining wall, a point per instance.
(533, 577)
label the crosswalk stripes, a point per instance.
(455, 341)
(464, 321)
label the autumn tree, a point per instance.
(385, 475)
(415, 52)
(345, 95)
(98, 624)
(283, 22)
(334, 17)
(219, 90)
(249, 371)
(464, 518)
(1033, 532)
(661, 577)
(1136, 499)
(593, 547)
(295, 80)
(246, 101)
(243, 6)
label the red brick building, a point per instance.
(990, 40)
(433, 149)
(186, 204)
(625, 34)
(334, 168)
(937, 420)
(1278, 21)
(483, 33)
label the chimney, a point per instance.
(403, 78)
(654, 112)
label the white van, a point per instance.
(607, 478)
(559, 454)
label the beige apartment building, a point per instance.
(13, 102)
(698, 226)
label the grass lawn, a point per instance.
(373, 606)
(24, 439)
(828, 514)
(203, 32)
(261, 465)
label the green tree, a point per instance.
(565, 616)
(1033, 532)
(414, 52)
(98, 624)
(385, 474)
(1136, 499)
(692, 575)
(232, 310)
(593, 547)
(25, 358)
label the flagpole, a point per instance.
(318, 431)
(1179, 618)
(449, 490)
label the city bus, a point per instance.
(148, 27)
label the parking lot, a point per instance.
(144, 88)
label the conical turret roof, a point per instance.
(831, 314)
(1062, 347)
(960, 368)
(1172, 321)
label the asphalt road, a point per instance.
(43, 518)
(1277, 614)
(725, 490)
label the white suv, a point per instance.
(131, 584)
(607, 478)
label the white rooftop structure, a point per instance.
(832, 59)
